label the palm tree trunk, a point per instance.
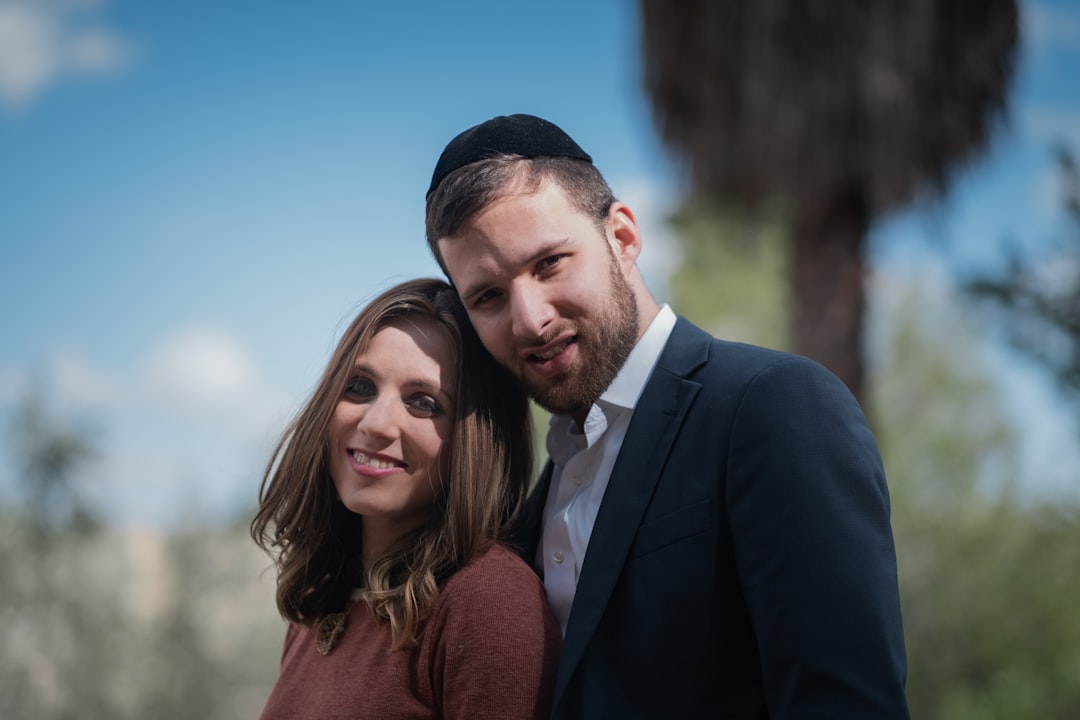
(828, 282)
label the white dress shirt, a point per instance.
(584, 458)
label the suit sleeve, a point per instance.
(809, 512)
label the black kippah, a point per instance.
(525, 135)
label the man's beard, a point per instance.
(603, 343)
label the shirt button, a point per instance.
(558, 556)
(577, 480)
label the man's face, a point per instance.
(547, 293)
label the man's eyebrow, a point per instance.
(548, 248)
(472, 290)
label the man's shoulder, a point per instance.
(729, 356)
(729, 371)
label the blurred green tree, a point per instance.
(830, 115)
(48, 613)
(732, 288)
(103, 623)
(988, 579)
(212, 645)
(53, 458)
(1036, 298)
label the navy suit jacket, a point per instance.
(742, 561)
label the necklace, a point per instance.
(332, 626)
(330, 629)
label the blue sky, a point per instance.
(195, 196)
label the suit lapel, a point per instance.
(532, 517)
(657, 419)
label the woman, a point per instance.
(384, 504)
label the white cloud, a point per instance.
(197, 430)
(200, 369)
(43, 41)
(182, 434)
(66, 383)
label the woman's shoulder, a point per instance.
(492, 646)
(495, 582)
(496, 567)
(496, 589)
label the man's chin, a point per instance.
(562, 409)
(558, 398)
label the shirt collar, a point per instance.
(623, 393)
(628, 385)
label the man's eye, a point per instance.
(549, 262)
(425, 405)
(485, 297)
(359, 390)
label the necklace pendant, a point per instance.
(330, 629)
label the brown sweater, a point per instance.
(488, 652)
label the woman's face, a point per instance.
(389, 433)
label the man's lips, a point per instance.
(553, 357)
(549, 351)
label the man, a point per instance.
(713, 527)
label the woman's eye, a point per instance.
(425, 405)
(359, 390)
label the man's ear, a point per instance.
(623, 235)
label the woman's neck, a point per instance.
(379, 539)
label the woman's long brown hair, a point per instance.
(316, 541)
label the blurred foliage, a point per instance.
(106, 623)
(743, 301)
(540, 420)
(100, 622)
(988, 579)
(1035, 300)
(832, 118)
(49, 453)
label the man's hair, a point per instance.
(316, 540)
(472, 188)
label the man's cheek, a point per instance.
(494, 341)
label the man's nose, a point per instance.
(531, 312)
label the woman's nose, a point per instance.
(380, 418)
